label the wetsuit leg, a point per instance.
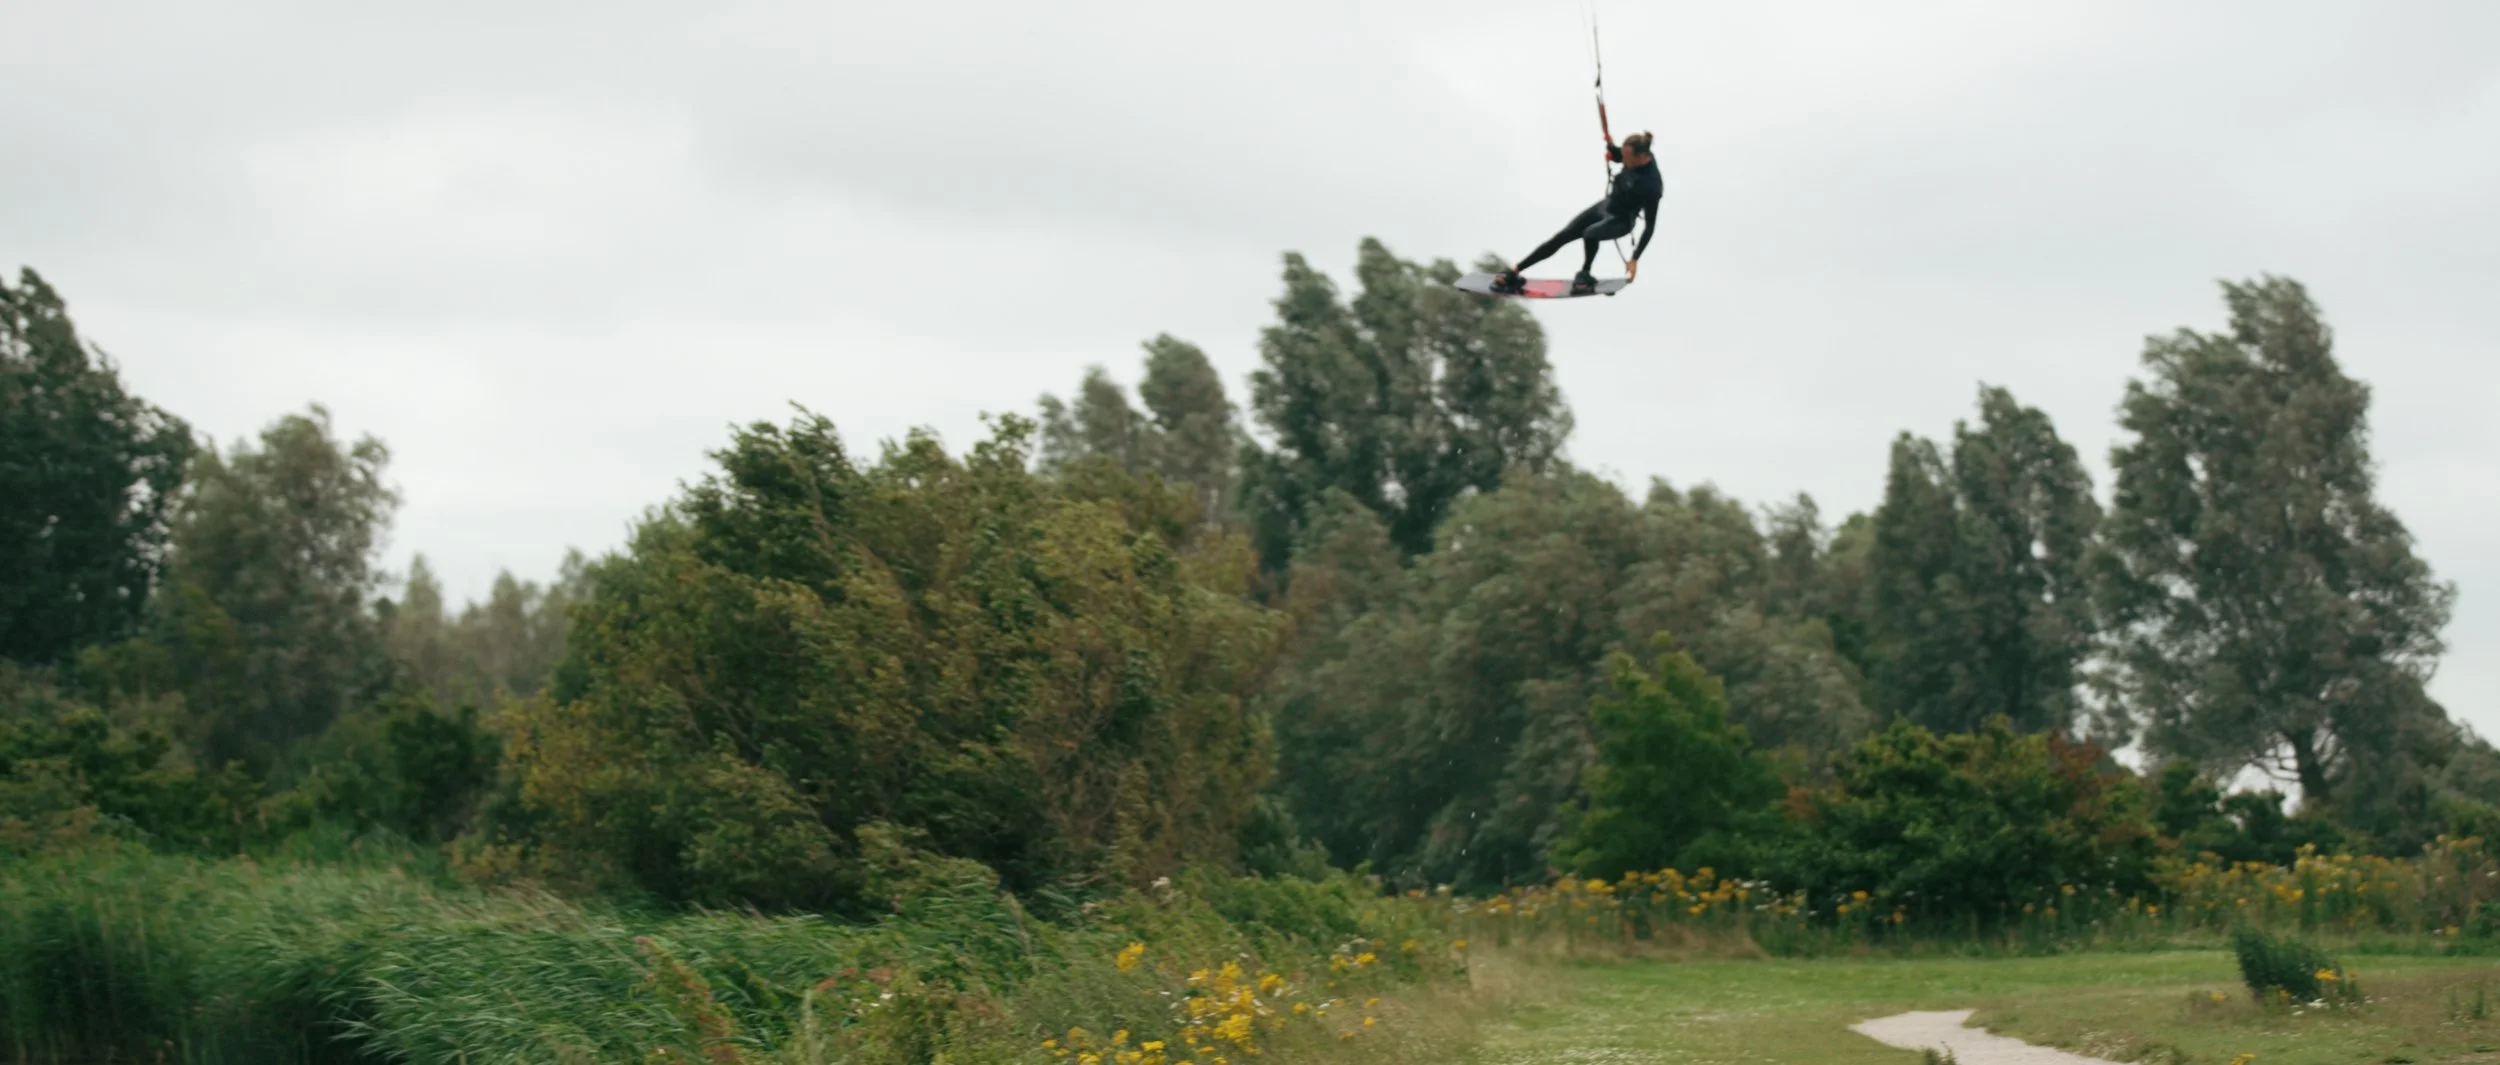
(1607, 227)
(1576, 230)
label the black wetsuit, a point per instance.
(1635, 191)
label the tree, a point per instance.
(1099, 425)
(1675, 783)
(506, 647)
(1706, 572)
(89, 473)
(1979, 595)
(1199, 433)
(1188, 434)
(273, 567)
(802, 648)
(1405, 399)
(1434, 717)
(2267, 609)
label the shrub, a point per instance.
(1674, 781)
(2283, 969)
(1970, 829)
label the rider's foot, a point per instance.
(1508, 280)
(1583, 282)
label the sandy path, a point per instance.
(1944, 1031)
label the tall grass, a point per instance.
(121, 955)
(2447, 898)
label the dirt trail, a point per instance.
(1944, 1031)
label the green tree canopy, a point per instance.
(1978, 601)
(269, 619)
(89, 473)
(1189, 433)
(1675, 783)
(1404, 399)
(1434, 718)
(802, 648)
(2267, 608)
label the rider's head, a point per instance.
(1636, 150)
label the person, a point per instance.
(1635, 191)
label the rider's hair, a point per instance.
(1638, 142)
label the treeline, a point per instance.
(1370, 618)
(1473, 693)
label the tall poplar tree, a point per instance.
(2269, 608)
(1977, 574)
(1404, 398)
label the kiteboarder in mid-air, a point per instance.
(1635, 190)
(1631, 191)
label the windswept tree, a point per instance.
(88, 477)
(1188, 433)
(1435, 720)
(1978, 598)
(2268, 609)
(268, 614)
(505, 647)
(1403, 399)
(804, 647)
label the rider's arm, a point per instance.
(1649, 225)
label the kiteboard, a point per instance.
(1538, 288)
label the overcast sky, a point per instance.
(551, 252)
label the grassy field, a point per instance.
(2154, 1008)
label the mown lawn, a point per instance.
(2154, 1008)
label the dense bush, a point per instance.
(69, 776)
(1970, 828)
(1674, 782)
(1048, 677)
(2281, 968)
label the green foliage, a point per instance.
(506, 647)
(2280, 968)
(1977, 605)
(266, 624)
(1404, 399)
(1970, 827)
(802, 647)
(69, 776)
(1453, 767)
(401, 766)
(1188, 435)
(2268, 607)
(113, 954)
(1674, 783)
(90, 474)
(2240, 827)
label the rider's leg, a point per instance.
(1574, 231)
(1605, 228)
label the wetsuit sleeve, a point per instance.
(1649, 225)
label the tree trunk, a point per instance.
(2312, 772)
